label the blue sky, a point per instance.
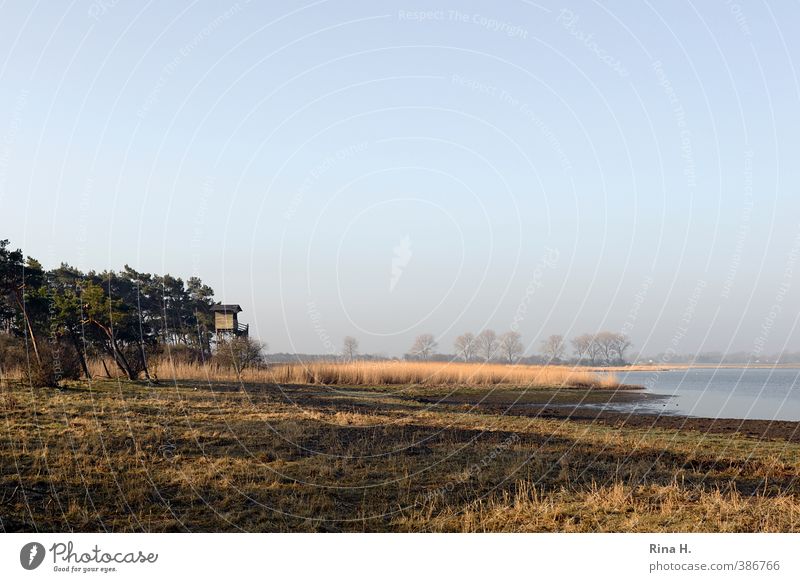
(386, 169)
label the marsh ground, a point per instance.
(194, 456)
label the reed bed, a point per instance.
(387, 373)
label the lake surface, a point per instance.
(741, 393)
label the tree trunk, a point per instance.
(122, 361)
(144, 361)
(116, 353)
(103, 361)
(28, 324)
(81, 358)
(113, 353)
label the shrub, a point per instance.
(239, 353)
(59, 362)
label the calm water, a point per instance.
(720, 393)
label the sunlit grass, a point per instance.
(119, 456)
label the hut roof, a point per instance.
(227, 308)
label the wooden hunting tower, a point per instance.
(226, 320)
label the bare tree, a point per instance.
(582, 345)
(620, 346)
(553, 348)
(610, 347)
(350, 348)
(424, 346)
(605, 341)
(595, 352)
(487, 344)
(511, 346)
(466, 346)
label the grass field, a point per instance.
(194, 456)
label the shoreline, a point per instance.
(783, 430)
(698, 366)
(583, 406)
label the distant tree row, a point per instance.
(487, 346)
(603, 348)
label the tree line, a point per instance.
(55, 321)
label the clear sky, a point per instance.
(384, 169)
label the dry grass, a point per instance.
(387, 373)
(117, 456)
(638, 508)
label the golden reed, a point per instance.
(382, 373)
